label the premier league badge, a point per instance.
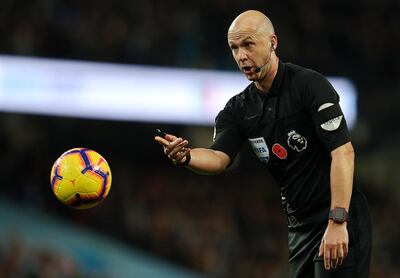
(296, 141)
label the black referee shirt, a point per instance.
(292, 130)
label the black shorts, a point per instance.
(304, 261)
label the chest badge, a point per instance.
(296, 141)
(279, 151)
(260, 148)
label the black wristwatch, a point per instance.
(339, 215)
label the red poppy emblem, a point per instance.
(279, 151)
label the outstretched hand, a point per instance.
(175, 148)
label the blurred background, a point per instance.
(104, 74)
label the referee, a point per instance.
(291, 117)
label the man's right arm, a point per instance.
(203, 161)
(208, 161)
(227, 141)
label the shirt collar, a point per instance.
(276, 83)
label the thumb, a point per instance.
(321, 249)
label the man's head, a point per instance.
(252, 40)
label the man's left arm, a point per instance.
(335, 242)
(322, 101)
(342, 172)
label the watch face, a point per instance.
(338, 215)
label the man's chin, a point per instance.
(251, 76)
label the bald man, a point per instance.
(292, 119)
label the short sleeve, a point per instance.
(228, 137)
(322, 102)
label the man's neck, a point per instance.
(265, 84)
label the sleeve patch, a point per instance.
(329, 116)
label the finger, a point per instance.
(327, 257)
(334, 257)
(177, 149)
(182, 154)
(176, 142)
(161, 141)
(345, 249)
(321, 249)
(340, 254)
(171, 145)
(170, 137)
(340, 261)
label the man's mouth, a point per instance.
(247, 69)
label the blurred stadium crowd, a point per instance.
(226, 226)
(357, 39)
(20, 260)
(354, 38)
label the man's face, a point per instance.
(249, 50)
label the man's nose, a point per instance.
(242, 54)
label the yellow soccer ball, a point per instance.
(80, 178)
